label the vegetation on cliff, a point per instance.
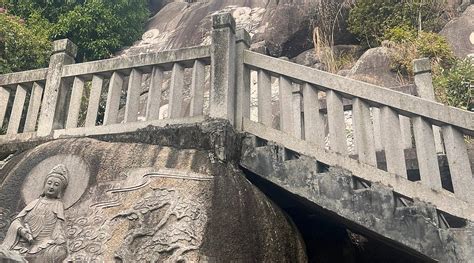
(411, 28)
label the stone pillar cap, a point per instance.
(223, 20)
(421, 65)
(65, 46)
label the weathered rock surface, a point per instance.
(413, 225)
(460, 33)
(140, 202)
(374, 67)
(282, 24)
(307, 58)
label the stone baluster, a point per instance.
(336, 122)
(33, 107)
(17, 109)
(296, 111)
(264, 94)
(426, 153)
(460, 168)
(133, 96)
(176, 92)
(286, 105)
(391, 135)
(113, 98)
(54, 108)
(154, 95)
(363, 132)
(314, 130)
(197, 89)
(75, 103)
(94, 100)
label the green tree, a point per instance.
(21, 47)
(98, 27)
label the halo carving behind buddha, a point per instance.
(78, 178)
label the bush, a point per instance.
(21, 47)
(369, 19)
(453, 85)
(408, 45)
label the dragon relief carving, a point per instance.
(164, 227)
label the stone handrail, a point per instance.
(165, 59)
(13, 79)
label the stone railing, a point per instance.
(13, 92)
(391, 114)
(114, 83)
(382, 119)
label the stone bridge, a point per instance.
(386, 165)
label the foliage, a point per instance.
(452, 77)
(47, 9)
(453, 86)
(98, 27)
(101, 27)
(369, 19)
(328, 16)
(21, 47)
(327, 19)
(408, 45)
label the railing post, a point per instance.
(222, 94)
(425, 90)
(54, 99)
(242, 75)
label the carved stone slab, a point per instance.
(145, 203)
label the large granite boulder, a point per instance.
(374, 67)
(134, 202)
(283, 25)
(460, 33)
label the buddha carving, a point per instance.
(36, 233)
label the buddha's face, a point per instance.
(52, 187)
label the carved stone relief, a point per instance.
(37, 234)
(157, 222)
(164, 228)
(122, 205)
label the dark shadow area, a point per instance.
(328, 237)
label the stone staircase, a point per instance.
(370, 208)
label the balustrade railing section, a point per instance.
(20, 101)
(359, 119)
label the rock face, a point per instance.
(374, 67)
(139, 202)
(282, 24)
(460, 33)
